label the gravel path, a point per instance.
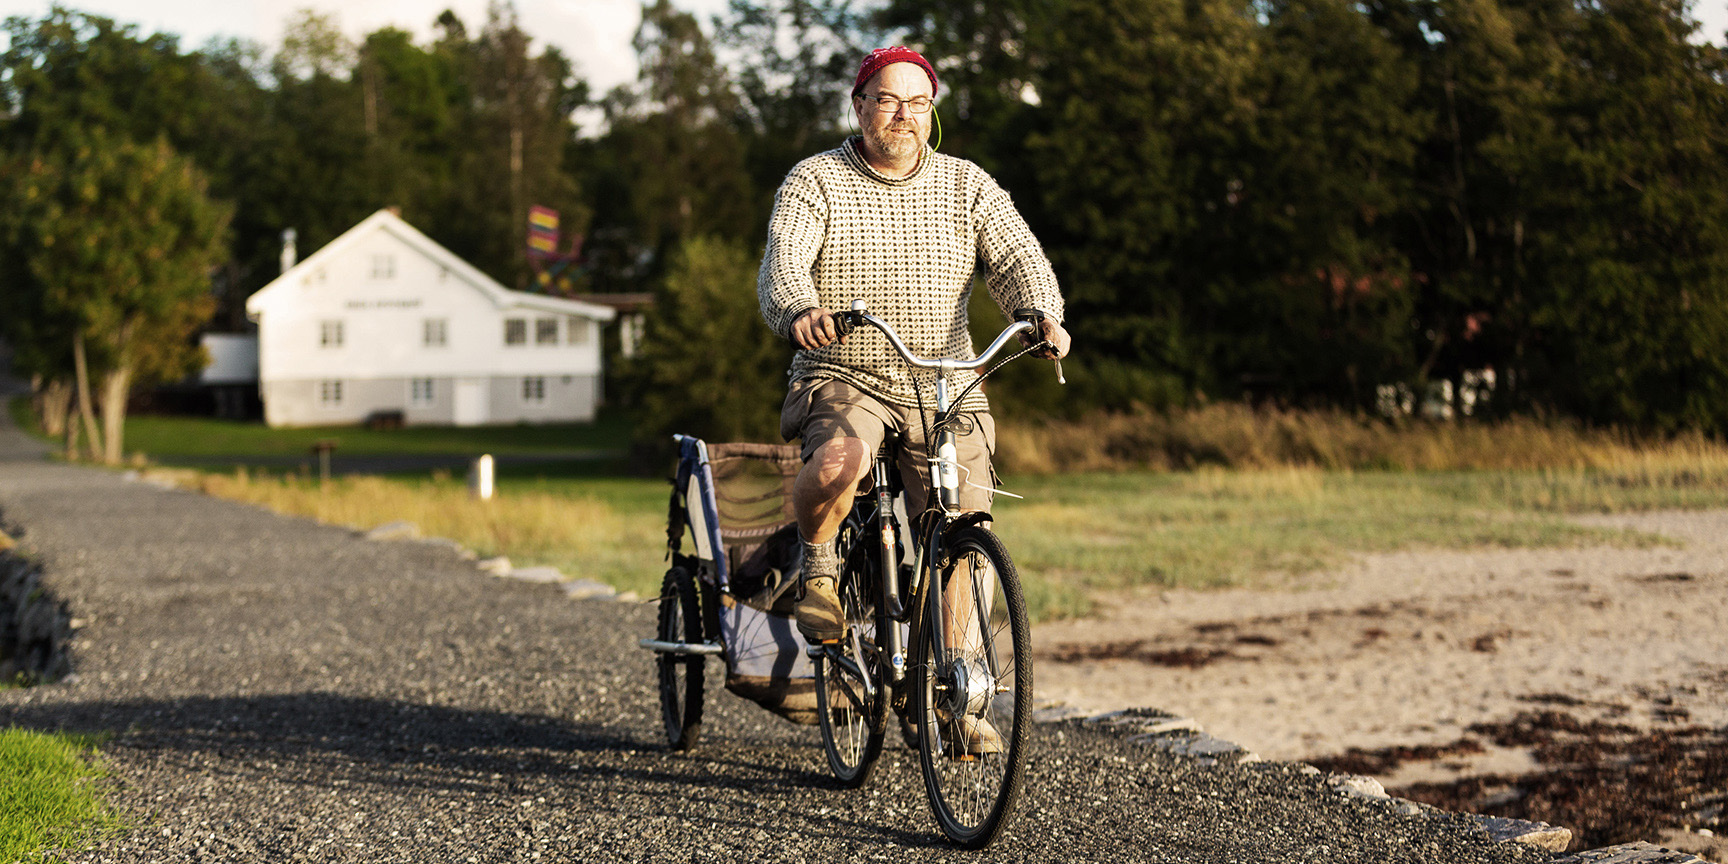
(279, 690)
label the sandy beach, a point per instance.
(1413, 649)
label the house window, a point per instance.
(436, 332)
(578, 330)
(330, 393)
(546, 331)
(421, 392)
(330, 334)
(515, 331)
(383, 266)
(534, 389)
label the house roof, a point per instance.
(387, 221)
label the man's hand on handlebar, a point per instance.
(1047, 331)
(816, 328)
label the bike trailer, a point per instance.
(734, 503)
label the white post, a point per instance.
(480, 478)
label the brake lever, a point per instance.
(1057, 360)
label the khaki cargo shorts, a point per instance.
(820, 409)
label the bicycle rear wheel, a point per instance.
(680, 676)
(851, 690)
(972, 694)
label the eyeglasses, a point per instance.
(891, 104)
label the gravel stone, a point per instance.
(276, 691)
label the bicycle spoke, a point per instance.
(850, 699)
(976, 697)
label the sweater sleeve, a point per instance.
(784, 286)
(1017, 273)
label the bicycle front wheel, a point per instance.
(973, 689)
(851, 692)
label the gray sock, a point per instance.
(820, 559)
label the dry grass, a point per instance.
(1233, 435)
(1267, 493)
(582, 535)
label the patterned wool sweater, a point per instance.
(908, 248)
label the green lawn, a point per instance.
(48, 797)
(166, 438)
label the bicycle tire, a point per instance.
(681, 677)
(973, 790)
(852, 719)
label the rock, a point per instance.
(1539, 834)
(587, 589)
(1631, 853)
(1174, 724)
(537, 574)
(460, 551)
(394, 531)
(1358, 786)
(497, 565)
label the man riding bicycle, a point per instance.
(886, 219)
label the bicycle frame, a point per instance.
(942, 504)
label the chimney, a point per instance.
(289, 257)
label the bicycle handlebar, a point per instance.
(851, 319)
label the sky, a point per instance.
(595, 34)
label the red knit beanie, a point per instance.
(881, 57)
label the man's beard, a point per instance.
(898, 148)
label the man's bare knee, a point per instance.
(822, 494)
(836, 467)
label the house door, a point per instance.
(470, 402)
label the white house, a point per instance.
(383, 321)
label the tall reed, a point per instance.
(1233, 435)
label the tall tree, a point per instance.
(1629, 231)
(796, 59)
(512, 147)
(1319, 296)
(1144, 121)
(671, 165)
(695, 374)
(992, 57)
(117, 240)
(69, 68)
(1570, 217)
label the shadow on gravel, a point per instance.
(310, 744)
(318, 737)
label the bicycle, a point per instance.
(968, 681)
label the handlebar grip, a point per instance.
(847, 321)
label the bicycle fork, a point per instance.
(893, 647)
